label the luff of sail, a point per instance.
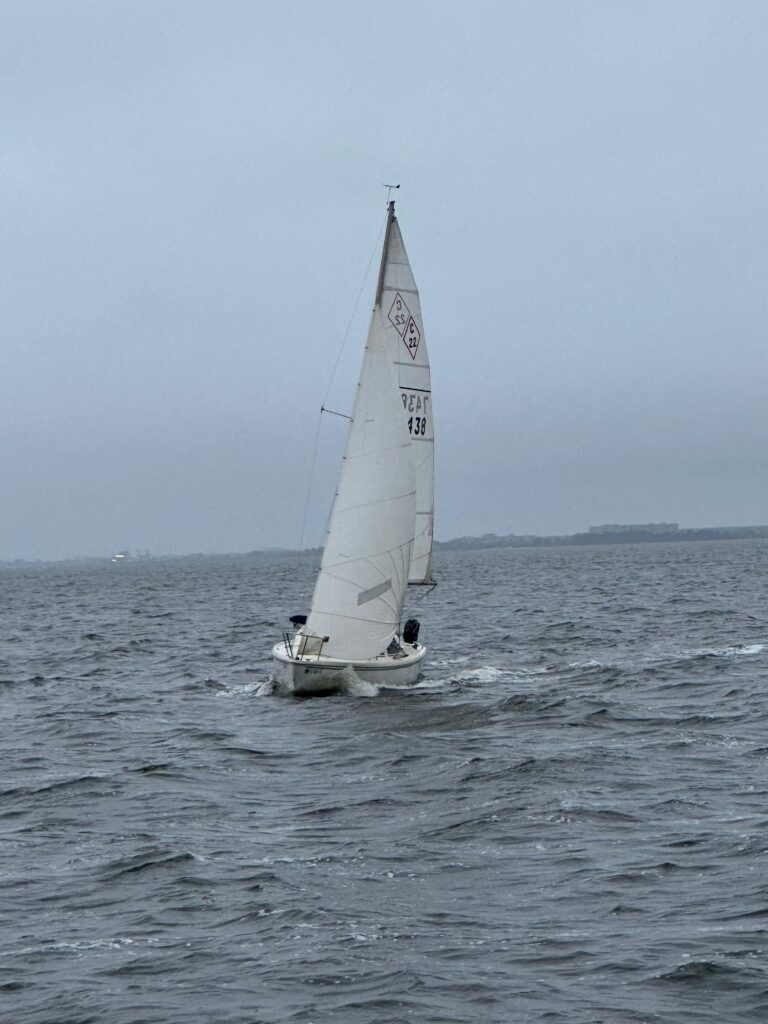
(359, 592)
(398, 298)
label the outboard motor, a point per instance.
(298, 620)
(411, 631)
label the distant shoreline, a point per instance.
(486, 541)
(627, 536)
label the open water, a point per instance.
(566, 820)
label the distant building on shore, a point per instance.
(653, 528)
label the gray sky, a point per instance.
(190, 193)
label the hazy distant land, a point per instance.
(612, 533)
(609, 534)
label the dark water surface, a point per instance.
(566, 820)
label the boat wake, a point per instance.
(329, 685)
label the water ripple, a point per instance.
(563, 820)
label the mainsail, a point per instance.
(359, 592)
(398, 299)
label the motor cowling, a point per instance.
(411, 631)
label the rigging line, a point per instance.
(309, 493)
(327, 393)
(354, 311)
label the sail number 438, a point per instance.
(417, 404)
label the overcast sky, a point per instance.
(190, 194)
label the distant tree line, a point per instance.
(511, 540)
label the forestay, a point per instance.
(398, 298)
(363, 575)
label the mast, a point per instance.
(384, 251)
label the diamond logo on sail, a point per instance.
(412, 337)
(401, 319)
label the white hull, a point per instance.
(314, 675)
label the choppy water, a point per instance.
(567, 820)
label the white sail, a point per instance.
(363, 576)
(398, 298)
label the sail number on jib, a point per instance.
(416, 404)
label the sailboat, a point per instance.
(379, 538)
